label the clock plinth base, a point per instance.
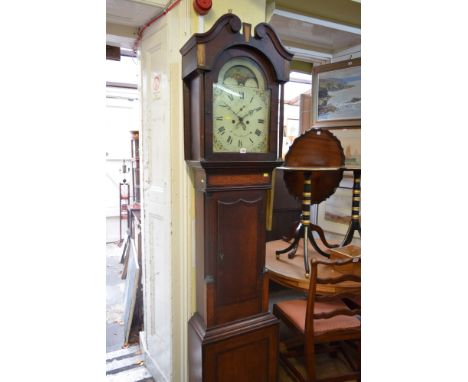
(245, 350)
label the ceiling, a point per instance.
(310, 38)
(315, 40)
(345, 12)
(131, 12)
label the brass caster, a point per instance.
(307, 275)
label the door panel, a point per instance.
(238, 256)
(237, 250)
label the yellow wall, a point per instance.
(301, 66)
(249, 11)
(341, 11)
(121, 30)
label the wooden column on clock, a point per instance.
(233, 118)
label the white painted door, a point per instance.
(166, 193)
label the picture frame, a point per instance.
(336, 95)
(334, 214)
(350, 140)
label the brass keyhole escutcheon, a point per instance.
(221, 256)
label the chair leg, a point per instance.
(309, 355)
(358, 356)
(290, 369)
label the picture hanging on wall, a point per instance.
(337, 94)
(334, 214)
(350, 140)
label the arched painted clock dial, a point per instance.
(241, 109)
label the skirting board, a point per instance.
(150, 363)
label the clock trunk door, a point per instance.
(239, 254)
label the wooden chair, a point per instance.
(324, 320)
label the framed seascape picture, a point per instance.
(336, 92)
(350, 140)
(334, 214)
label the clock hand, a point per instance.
(241, 119)
(231, 109)
(252, 111)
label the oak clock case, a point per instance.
(232, 84)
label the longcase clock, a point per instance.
(233, 92)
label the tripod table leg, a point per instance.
(355, 224)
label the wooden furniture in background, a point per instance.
(313, 170)
(324, 319)
(315, 148)
(133, 227)
(112, 53)
(355, 223)
(290, 272)
(135, 152)
(286, 210)
(345, 253)
(124, 201)
(232, 337)
(340, 213)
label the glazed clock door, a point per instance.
(239, 253)
(241, 108)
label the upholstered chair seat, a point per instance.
(295, 311)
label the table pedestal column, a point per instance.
(305, 228)
(355, 224)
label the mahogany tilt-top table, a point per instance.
(305, 227)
